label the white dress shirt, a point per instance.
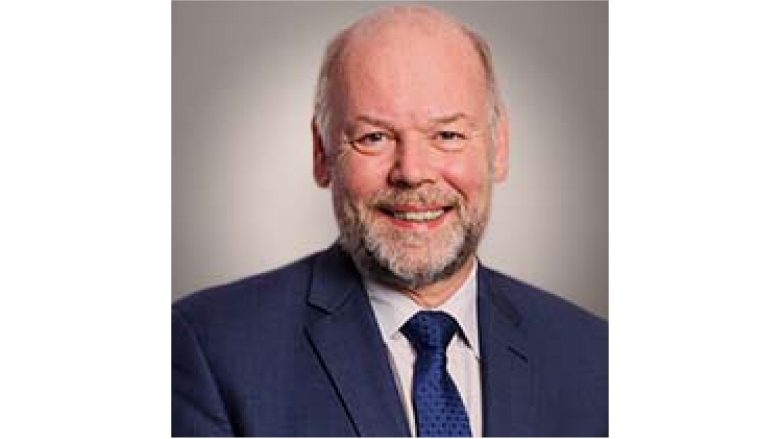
(393, 308)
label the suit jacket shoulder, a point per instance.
(566, 349)
(292, 352)
(255, 298)
(558, 317)
(230, 343)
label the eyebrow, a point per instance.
(451, 118)
(373, 121)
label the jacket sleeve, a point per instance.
(197, 408)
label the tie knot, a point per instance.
(430, 331)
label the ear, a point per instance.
(501, 149)
(321, 168)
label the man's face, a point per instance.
(411, 161)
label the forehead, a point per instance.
(410, 71)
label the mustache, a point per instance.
(429, 196)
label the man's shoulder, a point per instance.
(272, 290)
(545, 313)
(568, 345)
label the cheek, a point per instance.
(468, 175)
(360, 177)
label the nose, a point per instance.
(412, 165)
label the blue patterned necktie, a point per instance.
(437, 404)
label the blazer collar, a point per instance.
(346, 337)
(345, 334)
(507, 366)
(334, 280)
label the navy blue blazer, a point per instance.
(297, 352)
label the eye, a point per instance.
(448, 140)
(372, 138)
(450, 135)
(373, 142)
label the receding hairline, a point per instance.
(420, 17)
(415, 16)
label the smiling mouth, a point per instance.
(417, 215)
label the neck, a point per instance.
(435, 294)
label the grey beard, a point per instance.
(380, 263)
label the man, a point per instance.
(397, 330)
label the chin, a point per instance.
(406, 258)
(411, 266)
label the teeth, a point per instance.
(424, 215)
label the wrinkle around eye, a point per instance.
(373, 142)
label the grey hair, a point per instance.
(335, 51)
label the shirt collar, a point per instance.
(393, 308)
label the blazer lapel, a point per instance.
(344, 332)
(507, 391)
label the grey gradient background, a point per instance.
(244, 200)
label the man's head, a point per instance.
(410, 132)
